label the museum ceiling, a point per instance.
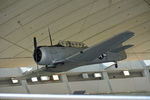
(88, 21)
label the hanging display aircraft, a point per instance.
(67, 55)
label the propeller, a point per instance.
(50, 37)
(35, 50)
(35, 43)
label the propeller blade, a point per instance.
(35, 50)
(50, 37)
(35, 43)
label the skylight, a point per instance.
(45, 78)
(126, 73)
(97, 75)
(34, 79)
(55, 77)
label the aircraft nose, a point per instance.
(37, 55)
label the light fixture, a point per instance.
(97, 75)
(14, 81)
(126, 73)
(85, 75)
(34, 79)
(55, 77)
(45, 78)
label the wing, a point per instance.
(95, 51)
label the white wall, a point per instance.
(13, 89)
(51, 88)
(92, 87)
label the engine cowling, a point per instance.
(42, 56)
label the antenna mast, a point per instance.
(50, 38)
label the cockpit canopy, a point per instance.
(72, 44)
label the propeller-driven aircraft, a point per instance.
(67, 55)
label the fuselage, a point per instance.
(48, 55)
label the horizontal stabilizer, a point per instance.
(121, 48)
